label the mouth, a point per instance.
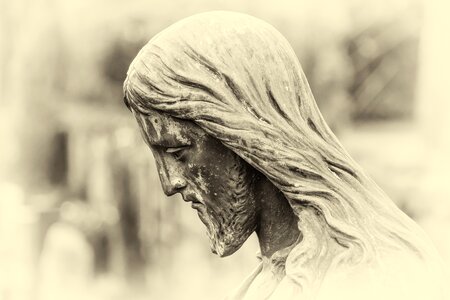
(196, 204)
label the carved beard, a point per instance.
(232, 219)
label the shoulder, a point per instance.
(240, 292)
(394, 277)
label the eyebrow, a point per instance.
(168, 143)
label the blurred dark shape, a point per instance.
(128, 208)
(58, 164)
(118, 59)
(82, 217)
(384, 58)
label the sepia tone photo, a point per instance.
(224, 150)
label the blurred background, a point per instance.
(82, 214)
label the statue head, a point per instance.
(217, 182)
(221, 99)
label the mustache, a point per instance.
(192, 197)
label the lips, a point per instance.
(192, 198)
(196, 205)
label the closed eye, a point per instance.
(175, 149)
(177, 152)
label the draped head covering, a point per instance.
(239, 79)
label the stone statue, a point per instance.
(224, 106)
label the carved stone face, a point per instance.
(217, 182)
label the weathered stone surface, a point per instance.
(223, 103)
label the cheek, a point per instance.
(204, 178)
(210, 174)
(201, 178)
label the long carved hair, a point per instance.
(240, 80)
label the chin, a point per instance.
(228, 235)
(224, 251)
(226, 240)
(230, 225)
(225, 244)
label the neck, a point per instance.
(277, 224)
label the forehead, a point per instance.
(164, 130)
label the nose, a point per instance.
(171, 182)
(171, 187)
